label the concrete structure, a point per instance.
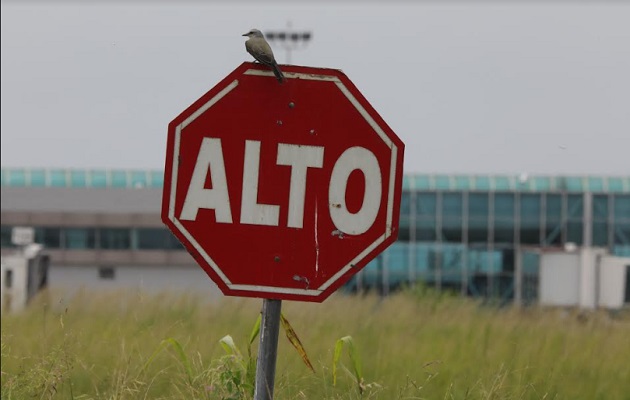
(476, 234)
(23, 273)
(588, 278)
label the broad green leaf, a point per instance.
(354, 359)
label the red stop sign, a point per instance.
(282, 191)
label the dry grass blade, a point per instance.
(295, 341)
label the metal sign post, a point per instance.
(267, 350)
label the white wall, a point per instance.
(13, 298)
(559, 280)
(612, 279)
(587, 278)
(150, 279)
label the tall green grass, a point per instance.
(411, 345)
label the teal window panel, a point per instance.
(600, 233)
(478, 211)
(79, 238)
(422, 182)
(397, 263)
(423, 258)
(405, 203)
(174, 243)
(595, 184)
(504, 209)
(600, 207)
(574, 232)
(407, 182)
(426, 204)
(38, 177)
(78, 179)
(621, 209)
(157, 179)
(615, 184)
(575, 206)
(442, 182)
(531, 207)
(531, 262)
(622, 251)
(574, 183)
(452, 231)
(504, 205)
(98, 178)
(119, 179)
(138, 179)
(452, 257)
(115, 238)
(462, 183)
(5, 236)
(5, 181)
(541, 183)
(403, 231)
(58, 178)
(502, 183)
(553, 205)
(504, 231)
(452, 205)
(48, 236)
(524, 183)
(153, 238)
(530, 218)
(478, 206)
(482, 183)
(425, 230)
(477, 230)
(17, 177)
(622, 233)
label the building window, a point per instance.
(107, 273)
(174, 243)
(80, 238)
(49, 237)
(622, 233)
(153, 238)
(553, 219)
(425, 230)
(426, 205)
(600, 220)
(575, 206)
(115, 238)
(503, 218)
(530, 207)
(478, 210)
(5, 236)
(622, 206)
(452, 205)
(405, 203)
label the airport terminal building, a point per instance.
(479, 235)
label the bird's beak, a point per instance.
(246, 34)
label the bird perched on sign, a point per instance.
(258, 47)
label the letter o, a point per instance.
(352, 159)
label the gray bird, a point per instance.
(258, 47)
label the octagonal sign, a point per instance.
(282, 191)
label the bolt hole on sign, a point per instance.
(282, 191)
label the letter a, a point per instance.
(210, 157)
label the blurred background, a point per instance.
(514, 114)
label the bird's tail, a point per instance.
(276, 71)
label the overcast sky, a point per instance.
(470, 87)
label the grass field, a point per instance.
(412, 345)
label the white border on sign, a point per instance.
(355, 260)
